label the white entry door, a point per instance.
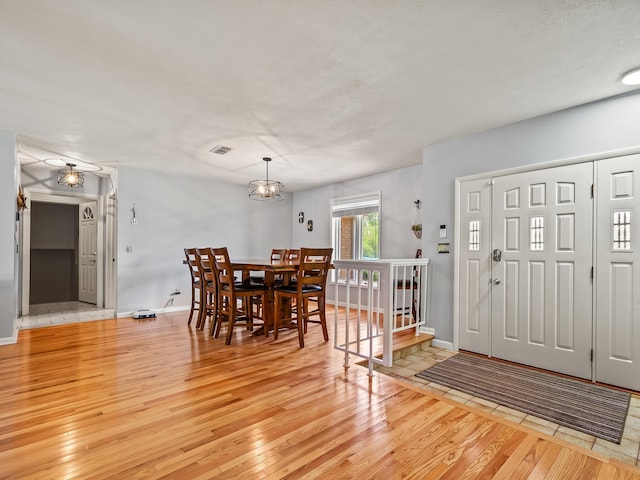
(88, 255)
(618, 272)
(475, 265)
(541, 298)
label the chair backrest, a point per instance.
(277, 254)
(292, 254)
(207, 269)
(223, 268)
(192, 263)
(314, 266)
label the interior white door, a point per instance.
(541, 293)
(88, 255)
(618, 272)
(474, 265)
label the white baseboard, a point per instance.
(10, 340)
(442, 344)
(156, 311)
(436, 342)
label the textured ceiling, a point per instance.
(330, 89)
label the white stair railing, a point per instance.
(379, 297)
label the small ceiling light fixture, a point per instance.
(266, 190)
(632, 77)
(71, 178)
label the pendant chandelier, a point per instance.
(71, 178)
(266, 190)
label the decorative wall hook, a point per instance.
(416, 228)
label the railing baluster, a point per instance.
(379, 304)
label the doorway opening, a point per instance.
(65, 243)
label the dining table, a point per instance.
(272, 269)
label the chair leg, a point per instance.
(231, 309)
(276, 317)
(302, 319)
(202, 309)
(219, 309)
(323, 318)
(262, 313)
(215, 317)
(193, 304)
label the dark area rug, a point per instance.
(583, 406)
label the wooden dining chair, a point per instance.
(291, 254)
(196, 283)
(311, 284)
(210, 289)
(277, 254)
(230, 292)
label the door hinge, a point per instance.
(591, 273)
(591, 355)
(592, 188)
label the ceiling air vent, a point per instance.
(220, 149)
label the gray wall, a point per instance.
(54, 226)
(174, 212)
(399, 189)
(8, 268)
(600, 127)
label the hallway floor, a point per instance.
(419, 358)
(47, 314)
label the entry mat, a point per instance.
(582, 406)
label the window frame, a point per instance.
(356, 206)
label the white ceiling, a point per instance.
(331, 89)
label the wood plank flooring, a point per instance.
(129, 399)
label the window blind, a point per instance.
(355, 205)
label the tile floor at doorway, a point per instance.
(47, 314)
(421, 357)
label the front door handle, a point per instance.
(497, 255)
(495, 281)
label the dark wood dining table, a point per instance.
(271, 269)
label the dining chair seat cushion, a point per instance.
(294, 288)
(247, 287)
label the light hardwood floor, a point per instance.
(154, 398)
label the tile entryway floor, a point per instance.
(423, 356)
(47, 314)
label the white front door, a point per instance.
(88, 255)
(618, 272)
(475, 265)
(541, 294)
